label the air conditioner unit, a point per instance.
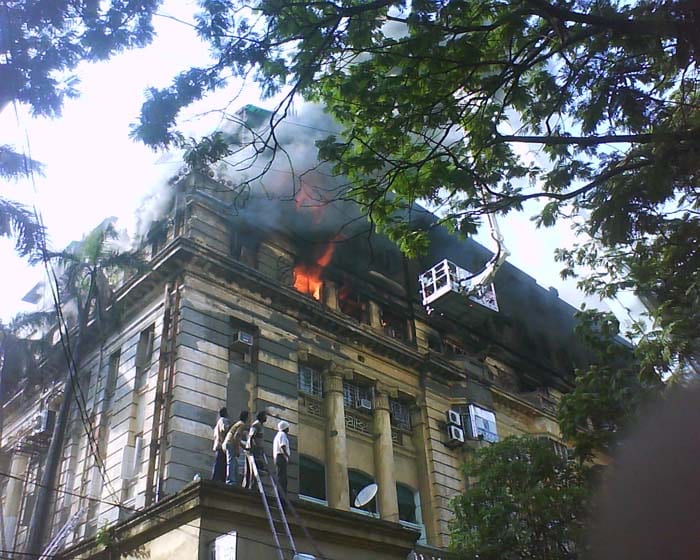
(364, 404)
(454, 417)
(242, 337)
(44, 422)
(455, 435)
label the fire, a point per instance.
(307, 277)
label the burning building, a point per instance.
(270, 306)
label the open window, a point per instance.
(354, 305)
(408, 506)
(312, 479)
(144, 354)
(358, 480)
(394, 325)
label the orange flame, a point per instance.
(307, 278)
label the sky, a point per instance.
(93, 170)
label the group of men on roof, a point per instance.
(230, 440)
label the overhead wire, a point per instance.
(157, 516)
(62, 324)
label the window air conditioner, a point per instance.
(454, 417)
(364, 404)
(242, 337)
(44, 422)
(455, 435)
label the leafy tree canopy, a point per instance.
(41, 42)
(446, 101)
(524, 502)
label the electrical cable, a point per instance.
(160, 517)
(62, 326)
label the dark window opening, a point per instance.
(242, 247)
(358, 480)
(158, 237)
(400, 414)
(353, 304)
(312, 478)
(453, 347)
(407, 503)
(394, 325)
(144, 353)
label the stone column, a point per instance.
(13, 496)
(375, 315)
(337, 487)
(424, 464)
(384, 458)
(330, 295)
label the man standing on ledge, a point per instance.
(280, 454)
(220, 430)
(256, 437)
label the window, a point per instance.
(357, 397)
(453, 347)
(407, 503)
(560, 450)
(144, 352)
(358, 480)
(400, 414)
(243, 342)
(394, 325)
(479, 422)
(312, 478)
(353, 304)
(310, 381)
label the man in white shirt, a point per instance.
(281, 453)
(220, 430)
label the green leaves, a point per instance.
(524, 502)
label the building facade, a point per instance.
(322, 330)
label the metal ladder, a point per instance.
(270, 512)
(55, 545)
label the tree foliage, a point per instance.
(607, 396)
(524, 502)
(41, 42)
(479, 106)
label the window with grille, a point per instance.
(354, 396)
(310, 381)
(400, 414)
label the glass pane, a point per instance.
(312, 478)
(407, 503)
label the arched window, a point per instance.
(358, 480)
(407, 503)
(312, 478)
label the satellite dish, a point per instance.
(365, 495)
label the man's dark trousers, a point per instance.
(281, 464)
